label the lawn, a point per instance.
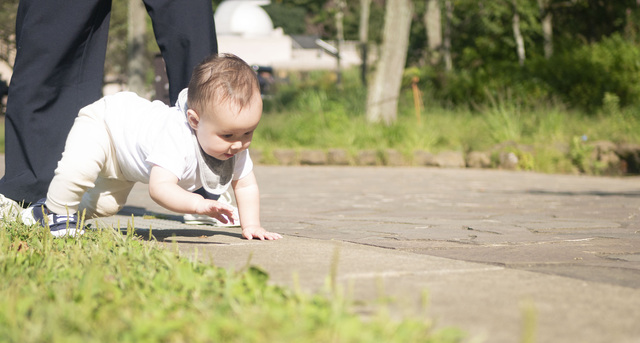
(111, 287)
(548, 139)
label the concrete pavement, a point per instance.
(487, 247)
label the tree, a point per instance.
(447, 36)
(517, 34)
(433, 25)
(382, 100)
(363, 36)
(546, 18)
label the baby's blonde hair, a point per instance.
(221, 78)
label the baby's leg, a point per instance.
(107, 197)
(87, 149)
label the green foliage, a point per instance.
(590, 21)
(291, 19)
(580, 152)
(584, 76)
(105, 287)
(481, 86)
(320, 90)
(318, 17)
(313, 113)
(484, 32)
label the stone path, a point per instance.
(489, 247)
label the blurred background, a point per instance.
(545, 80)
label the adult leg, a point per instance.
(58, 69)
(186, 34)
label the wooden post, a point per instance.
(417, 98)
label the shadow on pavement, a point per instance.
(585, 193)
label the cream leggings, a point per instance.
(88, 176)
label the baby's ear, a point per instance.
(193, 119)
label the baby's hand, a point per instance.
(252, 232)
(220, 211)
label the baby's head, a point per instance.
(224, 105)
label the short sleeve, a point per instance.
(244, 165)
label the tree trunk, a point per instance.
(136, 49)
(547, 27)
(448, 63)
(340, 39)
(433, 24)
(517, 34)
(365, 6)
(382, 100)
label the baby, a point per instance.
(201, 142)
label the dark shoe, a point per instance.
(59, 225)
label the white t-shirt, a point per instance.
(146, 133)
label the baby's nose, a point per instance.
(236, 145)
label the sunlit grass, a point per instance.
(324, 118)
(547, 132)
(106, 287)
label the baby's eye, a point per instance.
(248, 133)
(227, 136)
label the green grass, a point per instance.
(319, 116)
(108, 287)
(547, 134)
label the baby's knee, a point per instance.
(99, 207)
(103, 211)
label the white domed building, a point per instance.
(245, 29)
(244, 18)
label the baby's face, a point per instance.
(224, 130)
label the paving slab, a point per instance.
(485, 248)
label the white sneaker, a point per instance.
(58, 225)
(9, 209)
(200, 219)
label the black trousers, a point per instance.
(59, 68)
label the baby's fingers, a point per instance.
(261, 234)
(224, 219)
(248, 235)
(272, 236)
(220, 210)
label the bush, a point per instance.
(318, 91)
(583, 76)
(483, 85)
(580, 77)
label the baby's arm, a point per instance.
(164, 190)
(248, 199)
